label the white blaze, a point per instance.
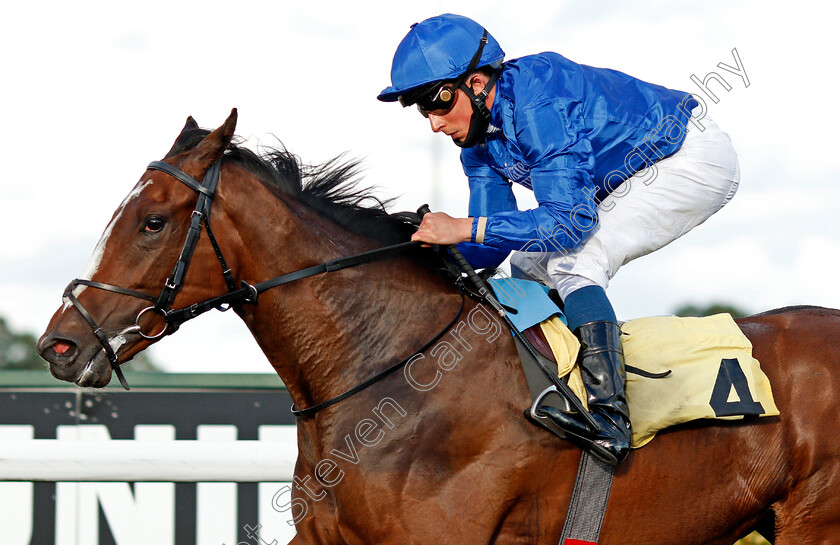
(99, 251)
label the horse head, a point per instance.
(159, 264)
(118, 306)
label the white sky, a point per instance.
(93, 91)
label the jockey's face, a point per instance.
(456, 122)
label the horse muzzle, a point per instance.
(73, 360)
(79, 357)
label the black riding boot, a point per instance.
(601, 363)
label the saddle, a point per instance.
(678, 369)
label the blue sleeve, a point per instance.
(489, 194)
(481, 256)
(561, 174)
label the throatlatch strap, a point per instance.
(589, 502)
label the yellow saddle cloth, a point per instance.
(713, 373)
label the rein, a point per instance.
(305, 413)
(246, 293)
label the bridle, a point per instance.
(244, 293)
(162, 304)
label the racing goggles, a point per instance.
(439, 101)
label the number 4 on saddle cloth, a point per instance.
(712, 372)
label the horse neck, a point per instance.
(327, 333)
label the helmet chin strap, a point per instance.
(480, 119)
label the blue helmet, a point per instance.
(439, 49)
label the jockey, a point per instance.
(619, 168)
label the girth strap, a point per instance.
(588, 505)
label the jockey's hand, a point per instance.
(441, 228)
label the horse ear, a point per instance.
(180, 142)
(190, 125)
(210, 150)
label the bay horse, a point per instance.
(440, 451)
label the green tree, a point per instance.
(689, 309)
(17, 351)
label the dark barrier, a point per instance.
(190, 429)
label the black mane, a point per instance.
(330, 188)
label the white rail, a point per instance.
(133, 460)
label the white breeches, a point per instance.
(646, 212)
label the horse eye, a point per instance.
(153, 224)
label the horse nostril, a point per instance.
(61, 347)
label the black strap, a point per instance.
(248, 293)
(108, 287)
(305, 413)
(479, 100)
(338, 264)
(226, 272)
(180, 175)
(473, 62)
(199, 215)
(588, 505)
(646, 374)
(97, 331)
